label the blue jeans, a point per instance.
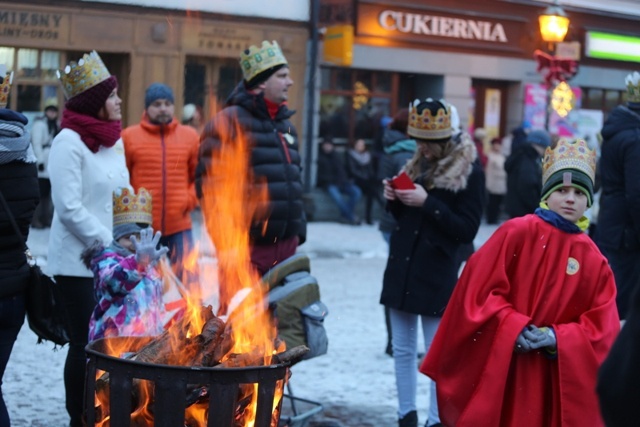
(181, 244)
(12, 312)
(353, 193)
(405, 352)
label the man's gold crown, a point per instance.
(82, 75)
(256, 60)
(5, 88)
(427, 126)
(129, 208)
(633, 87)
(569, 154)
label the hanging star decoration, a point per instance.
(555, 70)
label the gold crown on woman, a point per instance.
(633, 87)
(131, 208)
(82, 75)
(569, 154)
(5, 89)
(428, 126)
(258, 59)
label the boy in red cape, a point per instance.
(533, 315)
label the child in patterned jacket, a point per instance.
(128, 286)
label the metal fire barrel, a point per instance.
(170, 387)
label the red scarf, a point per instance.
(272, 108)
(93, 132)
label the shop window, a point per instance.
(601, 99)
(35, 82)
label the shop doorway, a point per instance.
(490, 110)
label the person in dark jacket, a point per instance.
(618, 231)
(333, 178)
(434, 219)
(524, 174)
(619, 375)
(19, 188)
(360, 169)
(398, 148)
(258, 106)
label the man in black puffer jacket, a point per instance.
(258, 105)
(618, 231)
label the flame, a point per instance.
(233, 199)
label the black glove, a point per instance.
(41, 167)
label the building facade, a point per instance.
(195, 51)
(477, 55)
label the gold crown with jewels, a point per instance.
(633, 87)
(129, 208)
(258, 59)
(428, 126)
(5, 89)
(569, 154)
(82, 75)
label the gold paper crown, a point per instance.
(5, 88)
(129, 208)
(427, 126)
(633, 87)
(82, 75)
(256, 60)
(569, 154)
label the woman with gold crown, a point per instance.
(434, 219)
(86, 164)
(533, 315)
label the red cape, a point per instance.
(527, 272)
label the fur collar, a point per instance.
(453, 171)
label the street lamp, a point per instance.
(554, 24)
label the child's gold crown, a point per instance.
(427, 126)
(129, 208)
(256, 60)
(569, 154)
(5, 88)
(633, 87)
(82, 75)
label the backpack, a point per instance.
(294, 301)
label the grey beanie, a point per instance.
(157, 91)
(539, 137)
(125, 229)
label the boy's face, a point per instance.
(125, 241)
(568, 202)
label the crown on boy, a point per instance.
(633, 87)
(428, 126)
(5, 89)
(255, 60)
(82, 75)
(569, 154)
(131, 208)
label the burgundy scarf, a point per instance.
(93, 132)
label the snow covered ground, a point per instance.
(354, 382)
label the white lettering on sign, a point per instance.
(442, 26)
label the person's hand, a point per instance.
(415, 197)
(388, 191)
(146, 247)
(540, 337)
(522, 344)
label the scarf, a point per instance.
(363, 158)
(559, 222)
(93, 132)
(15, 143)
(272, 108)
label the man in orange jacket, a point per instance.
(162, 156)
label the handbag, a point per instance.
(45, 313)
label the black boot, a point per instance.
(409, 420)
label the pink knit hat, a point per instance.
(93, 99)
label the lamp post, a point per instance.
(554, 25)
